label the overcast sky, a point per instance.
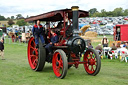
(35, 7)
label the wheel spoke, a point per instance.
(92, 69)
(58, 69)
(33, 42)
(33, 48)
(32, 56)
(35, 62)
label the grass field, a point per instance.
(15, 70)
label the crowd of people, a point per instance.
(109, 52)
(20, 35)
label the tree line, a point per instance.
(92, 12)
(18, 16)
(20, 20)
(103, 13)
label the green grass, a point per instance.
(15, 70)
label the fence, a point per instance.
(9, 41)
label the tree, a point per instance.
(126, 12)
(10, 22)
(103, 13)
(2, 17)
(21, 22)
(8, 18)
(97, 14)
(12, 17)
(19, 16)
(27, 16)
(118, 12)
(92, 11)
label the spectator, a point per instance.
(2, 49)
(3, 38)
(16, 32)
(113, 47)
(122, 44)
(90, 45)
(105, 42)
(99, 48)
(126, 45)
(19, 37)
(118, 45)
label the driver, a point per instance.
(38, 32)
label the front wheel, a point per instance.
(36, 56)
(59, 63)
(93, 62)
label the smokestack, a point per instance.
(75, 20)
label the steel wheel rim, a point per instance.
(57, 63)
(32, 53)
(91, 62)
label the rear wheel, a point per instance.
(59, 63)
(93, 62)
(36, 56)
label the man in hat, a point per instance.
(105, 42)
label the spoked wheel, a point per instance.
(36, 56)
(93, 62)
(59, 63)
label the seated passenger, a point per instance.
(99, 48)
(113, 47)
(90, 45)
(54, 39)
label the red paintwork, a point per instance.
(57, 69)
(60, 15)
(32, 59)
(90, 65)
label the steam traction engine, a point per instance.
(70, 48)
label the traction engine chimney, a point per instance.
(75, 20)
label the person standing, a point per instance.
(2, 49)
(105, 42)
(38, 32)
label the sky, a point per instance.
(35, 7)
